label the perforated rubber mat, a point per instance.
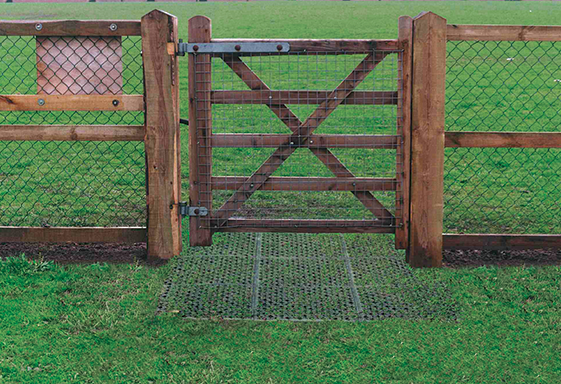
(304, 277)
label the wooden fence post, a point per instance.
(200, 132)
(163, 173)
(427, 140)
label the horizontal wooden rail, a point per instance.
(71, 103)
(72, 235)
(308, 226)
(500, 242)
(503, 32)
(503, 139)
(72, 132)
(301, 97)
(309, 184)
(242, 140)
(70, 28)
(332, 46)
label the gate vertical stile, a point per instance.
(403, 154)
(200, 132)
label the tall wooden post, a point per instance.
(427, 140)
(163, 172)
(200, 132)
(403, 153)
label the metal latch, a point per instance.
(233, 47)
(187, 210)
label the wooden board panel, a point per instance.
(70, 28)
(333, 46)
(72, 235)
(427, 140)
(72, 132)
(503, 139)
(309, 184)
(301, 97)
(235, 140)
(504, 32)
(301, 226)
(71, 103)
(500, 242)
(79, 65)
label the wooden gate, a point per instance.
(254, 142)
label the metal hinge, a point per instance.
(187, 210)
(233, 47)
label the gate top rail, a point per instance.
(456, 32)
(70, 28)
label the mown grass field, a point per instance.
(96, 323)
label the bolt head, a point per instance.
(279, 47)
(38, 26)
(195, 48)
(41, 102)
(113, 27)
(238, 47)
(115, 102)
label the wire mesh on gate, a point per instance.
(56, 183)
(265, 95)
(503, 86)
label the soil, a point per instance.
(74, 253)
(476, 258)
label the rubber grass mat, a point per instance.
(301, 277)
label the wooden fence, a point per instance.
(160, 133)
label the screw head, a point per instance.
(311, 141)
(279, 47)
(115, 102)
(38, 26)
(238, 47)
(41, 101)
(196, 211)
(195, 48)
(113, 27)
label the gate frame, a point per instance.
(202, 140)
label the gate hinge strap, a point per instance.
(233, 47)
(187, 210)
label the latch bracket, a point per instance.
(187, 210)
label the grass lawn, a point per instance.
(96, 323)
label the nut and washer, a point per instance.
(113, 27)
(41, 102)
(38, 26)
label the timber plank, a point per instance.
(301, 97)
(71, 103)
(72, 132)
(234, 140)
(503, 139)
(309, 183)
(70, 28)
(301, 226)
(500, 241)
(72, 235)
(503, 32)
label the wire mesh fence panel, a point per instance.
(512, 87)
(71, 183)
(288, 143)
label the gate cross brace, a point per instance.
(301, 132)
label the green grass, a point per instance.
(96, 323)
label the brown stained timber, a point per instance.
(503, 139)
(308, 184)
(301, 97)
(71, 103)
(301, 226)
(71, 234)
(500, 242)
(70, 28)
(332, 46)
(242, 140)
(457, 32)
(72, 132)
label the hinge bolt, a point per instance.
(195, 48)
(237, 47)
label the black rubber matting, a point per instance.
(304, 277)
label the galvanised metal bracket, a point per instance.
(186, 210)
(233, 47)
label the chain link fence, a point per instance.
(512, 87)
(67, 183)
